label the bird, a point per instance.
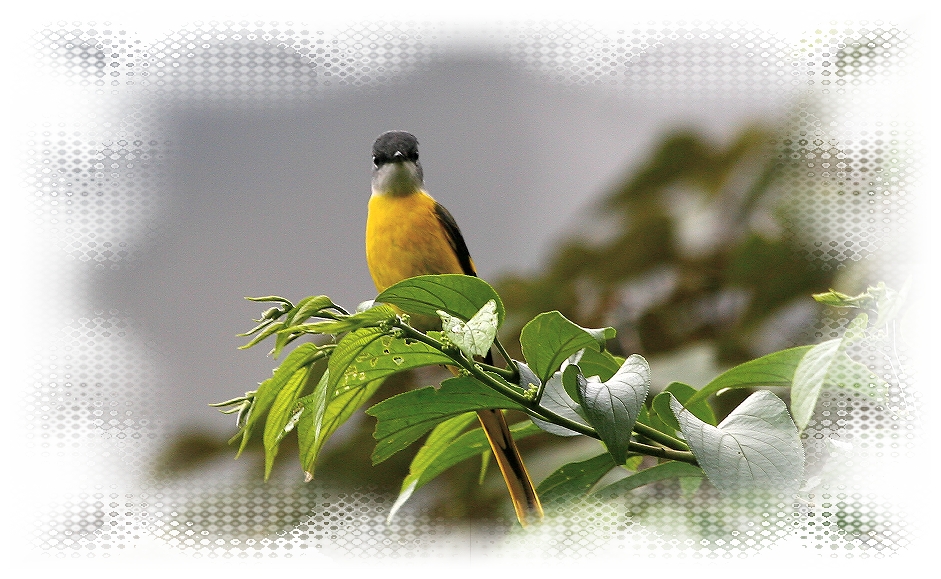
(408, 233)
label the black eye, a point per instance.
(415, 156)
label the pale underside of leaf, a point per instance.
(757, 447)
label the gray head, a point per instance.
(396, 169)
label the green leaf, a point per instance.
(757, 447)
(775, 369)
(573, 381)
(369, 354)
(682, 392)
(438, 442)
(556, 399)
(268, 390)
(306, 308)
(440, 452)
(270, 329)
(809, 378)
(594, 363)
(659, 472)
(313, 431)
(281, 412)
(612, 407)
(374, 315)
(456, 294)
(475, 336)
(549, 338)
(828, 364)
(575, 479)
(278, 299)
(404, 418)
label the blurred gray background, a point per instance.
(272, 200)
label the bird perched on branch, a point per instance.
(408, 233)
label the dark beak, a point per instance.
(398, 156)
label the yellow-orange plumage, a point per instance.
(409, 234)
(405, 238)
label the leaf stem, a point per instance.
(514, 370)
(661, 437)
(532, 407)
(680, 455)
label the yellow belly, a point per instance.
(405, 238)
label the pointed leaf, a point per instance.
(775, 369)
(594, 363)
(456, 294)
(809, 378)
(549, 338)
(437, 443)
(404, 418)
(682, 392)
(575, 479)
(368, 354)
(306, 308)
(475, 336)
(557, 400)
(268, 390)
(757, 447)
(271, 328)
(316, 424)
(612, 407)
(659, 472)
(282, 409)
(428, 464)
(371, 316)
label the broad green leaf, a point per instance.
(828, 364)
(575, 479)
(573, 381)
(809, 378)
(456, 294)
(281, 412)
(757, 447)
(368, 354)
(313, 432)
(371, 316)
(437, 443)
(775, 369)
(683, 392)
(612, 407)
(268, 390)
(440, 453)
(475, 336)
(556, 399)
(654, 420)
(659, 472)
(549, 338)
(404, 418)
(594, 363)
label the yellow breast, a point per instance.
(405, 238)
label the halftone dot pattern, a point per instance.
(849, 167)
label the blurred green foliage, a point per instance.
(695, 253)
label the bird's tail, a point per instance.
(522, 492)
